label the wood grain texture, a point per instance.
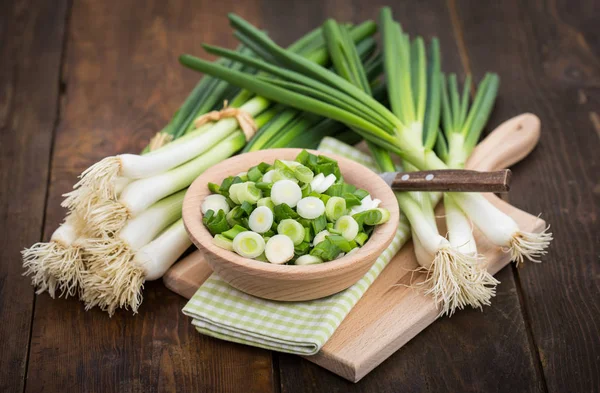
(289, 282)
(31, 44)
(548, 57)
(122, 84)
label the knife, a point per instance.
(449, 180)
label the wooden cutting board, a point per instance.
(390, 313)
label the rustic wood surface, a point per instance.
(84, 79)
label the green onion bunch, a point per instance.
(124, 224)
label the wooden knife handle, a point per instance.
(453, 180)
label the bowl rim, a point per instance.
(380, 239)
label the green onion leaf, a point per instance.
(216, 223)
(233, 232)
(283, 212)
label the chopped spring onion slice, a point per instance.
(316, 181)
(303, 174)
(279, 249)
(246, 192)
(310, 208)
(342, 243)
(308, 260)
(320, 237)
(268, 177)
(266, 202)
(286, 191)
(347, 226)
(249, 244)
(223, 242)
(233, 193)
(215, 202)
(335, 208)
(291, 164)
(361, 238)
(292, 229)
(385, 215)
(325, 184)
(243, 176)
(233, 232)
(284, 174)
(261, 219)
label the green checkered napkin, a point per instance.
(302, 328)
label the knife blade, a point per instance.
(449, 180)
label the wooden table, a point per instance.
(85, 79)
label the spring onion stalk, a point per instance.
(58, 263)
(291, 124)
(462, 127)
(301, 84)
(149, 263)
(111, 273)
(102, 175)
(110, 216)
(451, 278)
(414, 90)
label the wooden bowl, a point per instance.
(288, 282)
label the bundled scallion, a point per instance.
(131, 223)
(453, 278)
(462, 126)
(59, 264)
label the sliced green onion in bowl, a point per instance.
(310, 207)
(266, 201)
(279, 249)
(223, 242)
(321, 236)
(287, 218)
(249, 244)
(268, 177)
(335, 208)
(303, 174)
(347, 226)
(246, 191)
(292, 229)
(215, 202)
(261, 219)
(308, 260)
(286, 191)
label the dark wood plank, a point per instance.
(472, 351)
(31, 40)
(123, 82)
(548, 56)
